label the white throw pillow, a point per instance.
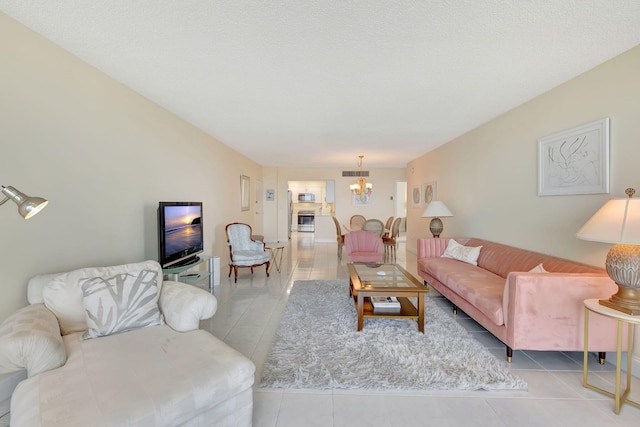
(120, 303)
(538, 269)
(63, 295)
(468, 254)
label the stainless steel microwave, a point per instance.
(306, 197)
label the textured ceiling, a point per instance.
(317, 83)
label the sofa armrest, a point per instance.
(30, 339)
(431, 247)
(549, 307)
(183, 305)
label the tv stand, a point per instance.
(181, 273)
(187, 261)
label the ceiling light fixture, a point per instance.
(361, 186)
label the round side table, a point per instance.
(593, 306)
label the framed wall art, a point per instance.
(416, 196)
(245, 184)
(575, 161)
(428, 193)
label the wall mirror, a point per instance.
(244, 192)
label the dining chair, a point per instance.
(374, 225)
(356, 221)
(339, 236)
(387, 226)
(391, 241)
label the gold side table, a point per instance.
(276, 250)
(593, 305)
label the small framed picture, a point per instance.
(270, 195)
(428, 192)
(416, 196)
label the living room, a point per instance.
(104, 156)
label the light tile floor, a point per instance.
(248, 316)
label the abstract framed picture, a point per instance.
(428, 192)
(575, 161)
(416, 196)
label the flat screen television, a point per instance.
(180, 235)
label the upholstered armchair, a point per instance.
(363, 246)
(243, 251)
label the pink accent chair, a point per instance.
(363, 246)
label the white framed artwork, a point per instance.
(575, 161)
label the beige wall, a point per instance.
(383, 180)
(103, 156)
(488, 177)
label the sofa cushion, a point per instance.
(502, 260)
(479, 287)
(121, 302)
(63, 296)
(468, 254)
(146, 377)
(30, 339)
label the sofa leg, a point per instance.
(509, 354)
(454, 309)
(602, 357)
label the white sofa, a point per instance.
(118, 346)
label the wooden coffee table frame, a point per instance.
(361, 292)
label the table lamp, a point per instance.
(436, 209)
(618, 222)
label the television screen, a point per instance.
(180, 232)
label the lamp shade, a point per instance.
(436, 209)
(618, 221)
(27, 206)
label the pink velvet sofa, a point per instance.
(525, 310)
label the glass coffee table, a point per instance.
(385, 280)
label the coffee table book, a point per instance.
(385, 303)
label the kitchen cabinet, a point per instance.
(330, 191)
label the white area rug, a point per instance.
(317, 346)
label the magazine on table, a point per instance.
(385, 302)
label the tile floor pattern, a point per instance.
(248, 316)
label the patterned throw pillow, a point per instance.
(120, 303)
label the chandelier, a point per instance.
(361, 186)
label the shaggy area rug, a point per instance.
(318, 347)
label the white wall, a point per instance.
(104, 157)
(488, 177)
